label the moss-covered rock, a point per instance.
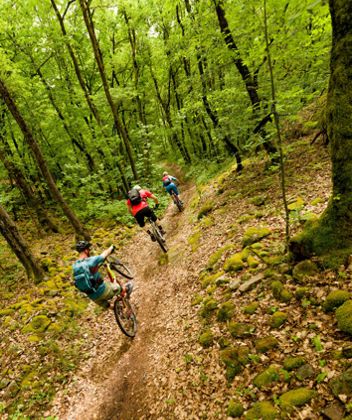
(291, 363)
(234, 409)
(277, 319)
(304, 270)
(235, 262)
(6, 311)
(209, 305)
(206, 339)
(197, 299)
(265, 344)
(262, 410)
(276, 288)
(267, 377)
(296, 397)
(208, 280)
(285, 296)
(234, 358)
(335, 299)
(258, 200)
(342, 384)
(240, 330)
(254, 234)
(305, 371)
(302, 292)
(251, 308)
(214, 258)
(226, 311)
(344, 317)
(205, 209)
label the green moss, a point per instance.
(240, 330)
(267, 377)
(291, 363)
(302, 292)
(252, 261)
(208, 280)
(38, 324)
(304, 270)
(251, 308)
(214, 258)
(296, 205)
(226, 311)
(277, 319)
(296, 397)
(206, 339)
(254, 234)
(335, 299)
(234, 409)
(316, 201)
(265, 344)
(6, 311)
(205, 209)
(276, 288)
(245, 218)
(194, 240)
(209, 305)
(285, 296)
(197, 299)
(235, 262)
(263, 410)
(234, 358)
(344, 317)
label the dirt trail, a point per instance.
(117, 382)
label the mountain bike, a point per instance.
(177, 201)
(155, 231)
(123, 309)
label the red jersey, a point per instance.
(145, 194)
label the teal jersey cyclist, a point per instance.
(89, 280)
(169, 184)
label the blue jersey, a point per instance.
(93, 264)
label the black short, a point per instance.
(146, 212)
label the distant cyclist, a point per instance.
(170, 185)
(88, 280)
(137, 204)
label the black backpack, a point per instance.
(134, 196)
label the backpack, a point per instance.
(83, 278)
(166, 181)
(134, 197)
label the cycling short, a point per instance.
(146, 212)
(171, 188)
(111, 289)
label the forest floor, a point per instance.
(197, 353)
(172, 371)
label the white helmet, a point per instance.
(137, 187)
(165, 173)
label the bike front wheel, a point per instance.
(159, 238)
(125, 317)
(121, 268)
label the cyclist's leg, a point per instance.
(154, 218)
(140, 217)
(111, 289)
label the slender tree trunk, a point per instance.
(99, 60)
(38, 156)
(249, 81)
(19, 246)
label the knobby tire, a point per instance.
(125, 317)
(159, 238)
(122, 269)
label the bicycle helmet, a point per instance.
(137, 187)
(83, 245)
(165, 173)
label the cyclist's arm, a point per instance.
(152, 196)
(107, 252)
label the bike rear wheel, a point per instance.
(178, 203)
(125, 317)
(121, 268)
(159, 237)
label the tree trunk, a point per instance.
(99, 60)
(19, 246)
(38, 156)
(249, 81)
(331, 236)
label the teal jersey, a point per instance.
(93, 264)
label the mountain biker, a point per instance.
(169, 184)
(88, 279)
(138, 206)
